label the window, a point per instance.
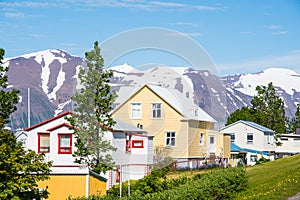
(137, 144)
(232, 137)
(170, 139)
(250, 138)
(128, 143)
(43, 142)
(64, 143)
(156, 110)
(201, 139)
(253, 158)
(136, 111)
(211, 140)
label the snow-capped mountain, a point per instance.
(51, 77)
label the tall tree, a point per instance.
(244, 113)
(294, 123)
(91, 113)
(20, 170)
(267, 110)
(8, 99)
(270, 109)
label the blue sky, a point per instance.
(238, 36)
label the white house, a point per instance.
(54, 137)
(253, 139)
(134, 155)
(290, 144)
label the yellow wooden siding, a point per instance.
(195, 149)
(226, 146)
(63, 186)
(170, 121)
(97, 187)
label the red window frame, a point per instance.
(134, 141)
(66, 148)
(39, 142)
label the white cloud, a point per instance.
(168, 4)
(16, 15)
(272, 27)
(280, 33)
(135, 4)
(184, 23)
(289, 60)
(247, 33)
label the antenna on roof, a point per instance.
(28, 114)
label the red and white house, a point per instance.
(54, 137)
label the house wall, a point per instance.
(197, 150)
(62, 186)
(290, 145)
(170, 121)
(96, 186)
(259, 138)
(58, 159)
(136, 163)
(226, 142)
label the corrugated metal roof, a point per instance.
(257, 126)
(236, 148)
(252, 124)
(123, 126)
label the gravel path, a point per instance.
(296, 197)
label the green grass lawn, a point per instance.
(276, 180)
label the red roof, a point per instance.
(48, 120)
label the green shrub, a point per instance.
(219, 184)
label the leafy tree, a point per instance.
(270, 109)
(295, 121)
(91, 117)
(20, 170)
(8, 99)
(244, 113)
(267, 110)
(162, 157)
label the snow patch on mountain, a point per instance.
(45, 58)
(59, 83)
(286, 79)
(125, 68)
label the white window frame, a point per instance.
(201, 139)
(136, 113)
(168, 141)
(249, 141)
(155, 109)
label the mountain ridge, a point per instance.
(51, 76)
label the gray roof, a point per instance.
(125, 127)
(252, 124)
(173, 97)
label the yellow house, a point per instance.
(175, 121)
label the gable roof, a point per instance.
(184, 106)
(251, 124)
(59, 126)
(48, 120)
